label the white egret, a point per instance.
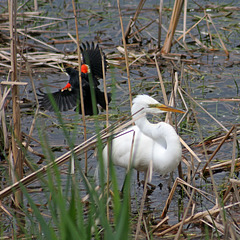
(156, 144)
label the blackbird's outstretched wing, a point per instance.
(69, 97)
(64, 100)
(92, 56)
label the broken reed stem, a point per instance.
(133, 20)
(80, 84)
(126, 54)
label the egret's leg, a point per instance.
(169, 181)
(138, 179)
(146, 178)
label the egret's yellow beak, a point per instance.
(165, 108)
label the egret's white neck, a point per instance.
(163, 133)
(140, 114)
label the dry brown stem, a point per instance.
(80, 84)
(172, 26)
(126, 54)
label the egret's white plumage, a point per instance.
(158, 143)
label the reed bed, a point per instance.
(57, 203)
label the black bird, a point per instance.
(69, 96)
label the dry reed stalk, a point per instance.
(107, 125)
(185, 106)
(13, 83)
(137, 32)
(161, 82)
(218, 200)
(223, 166)
(142, 204)
(236, 183)
(105, 133)
(133, 20)
(16, 168)
(170, 196)
(19, 14)
(3, 120)
(169, 199)
(6, 211)
(160, 23)
(41, 58)
(172, 26)
(3, 98)
(197, 216)
(35, 5)
(189, 96)
(36, 40)
(198, 41)
(220, 138)
(186, 32)
(5, 57)
(172, 102)
(216, 150)
(221, 100)
(80, 83)
(213, 224)
(126, 53)
(220, 39)
(177, 236)
(227, 193)
(146, 228)
(26, 144)
(190, 150)
(159, 224)
(184, 22)
(208, 27)
(42, 171)
(189, 169)
(233, 151)
(132, 54)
